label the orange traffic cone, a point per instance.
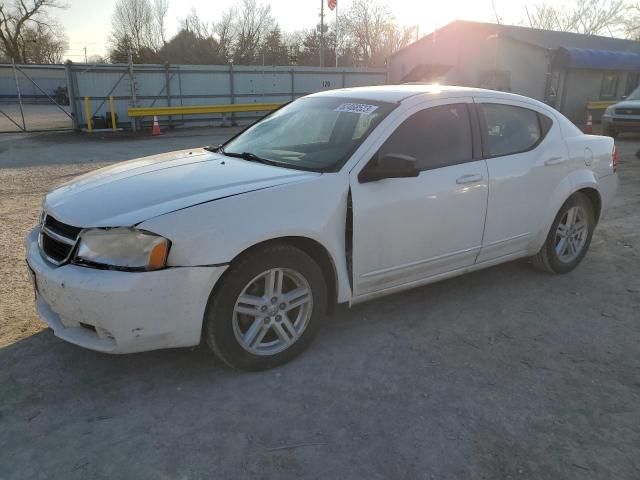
(155, 130)
(588, 127)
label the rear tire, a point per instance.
(266, 309)
(569, 237)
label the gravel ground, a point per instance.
(503, 373)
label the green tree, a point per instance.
(274, 51)
(187, 47)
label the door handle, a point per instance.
(472, 178)
(554, 161)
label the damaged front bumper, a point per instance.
(121, 312)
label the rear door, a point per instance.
(527, 159)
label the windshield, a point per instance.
(635, 95)
(313, 133)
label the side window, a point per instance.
(609, 86)
(436, 137)
(512, 129)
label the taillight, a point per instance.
(614, 158)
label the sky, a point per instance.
(87, 22)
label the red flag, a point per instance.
(332, 4)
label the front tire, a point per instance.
(569, 237)
(266, 309)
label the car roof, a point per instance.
(398, 93)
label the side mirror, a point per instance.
(389, 165)
(623, 97)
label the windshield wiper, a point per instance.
(251, 157)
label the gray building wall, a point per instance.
(515, 59)
(582, 86)
(442, 48)
(472, 59)
(527, 65)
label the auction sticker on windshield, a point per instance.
(362, 108)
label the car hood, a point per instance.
(130, 192)
(628, 104)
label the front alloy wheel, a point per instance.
(266, 308)
(272, 312)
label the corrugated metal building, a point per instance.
(565, 70)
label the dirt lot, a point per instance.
(504, 373)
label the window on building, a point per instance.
(511, 129)
(633, 80)
(609, 86)
(436, 137)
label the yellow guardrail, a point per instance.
(201, 109)
(600, 104)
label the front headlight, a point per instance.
(124, 248)
(608, 112)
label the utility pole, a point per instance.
(85, 55)
(321, 33)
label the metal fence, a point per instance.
(163, 85)
(33, 97)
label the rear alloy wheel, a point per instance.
(569, 237)
(266, 309)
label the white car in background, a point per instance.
(338, 197)
(623, 116)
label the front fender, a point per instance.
(217, 232)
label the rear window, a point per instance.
(511, 129)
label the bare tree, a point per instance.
(225, 32)
(194, 24)
(43, 44)
(632, 22)
(254, 21)
(371, 28)
(134, 23)
(159, 10)
(17, 19)
(589, 17)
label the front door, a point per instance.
(406, 230)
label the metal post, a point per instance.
(15, 73)
(321, 33)
(180, 88)
(87, 111)
(168, 89)
(337, 37)
(112, 107)
(132, 81)
(71, 93)
(233, 95)
(293, 91)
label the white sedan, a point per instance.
(337, 197)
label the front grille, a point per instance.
(61, 228)
(627, 111)
(57, 239)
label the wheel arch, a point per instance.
(580, 183)
(318, 252)
(594, 197)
